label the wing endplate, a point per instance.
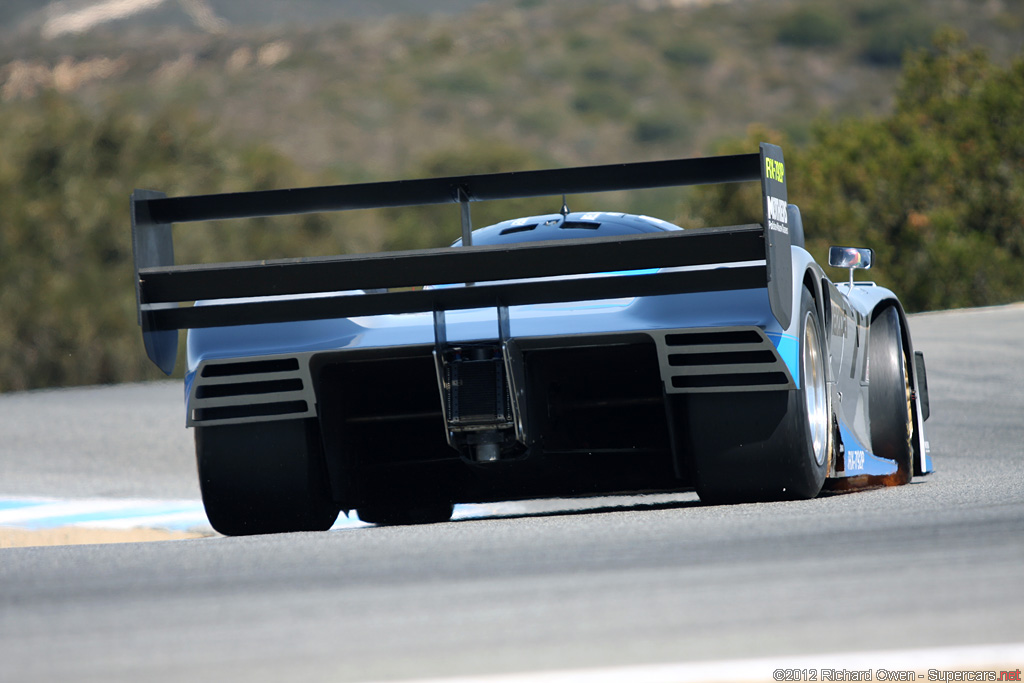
(152, 247)
(776, 230)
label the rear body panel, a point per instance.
(533, 363)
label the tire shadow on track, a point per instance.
(595, 509)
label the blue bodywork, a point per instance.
(571, 353)
(738, 308)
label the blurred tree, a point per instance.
(936, 188)
(67, 309)
(812, 26)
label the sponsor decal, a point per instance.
(778, 217)
(855, 461)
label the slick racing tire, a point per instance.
(771, 445)
(889, 398)
(420, 513)
(264, 478)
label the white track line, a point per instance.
(980, 662)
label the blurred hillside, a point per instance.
(572, 81)
(193, 96)
(32, 15)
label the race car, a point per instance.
(567, 354)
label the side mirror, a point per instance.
(850, 257)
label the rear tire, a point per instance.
(889, 404)
(264, 478)
(761, 446)
(423, 513)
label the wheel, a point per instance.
(264, 478)
(420, 513)
(758, 446)
(889, 400)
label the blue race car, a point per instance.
(567, 354)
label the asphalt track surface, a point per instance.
(564, 585)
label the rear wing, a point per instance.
(161, 286)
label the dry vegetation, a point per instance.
(507, 85)
(574, 82)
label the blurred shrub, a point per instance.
(812, 26)
(661, 127)
(462, 81)
(874, 13)
(888, 43)
(601, 101)
(66, 280)
(936, 188)
(688, 51)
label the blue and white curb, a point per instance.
(174, 515)
(103, 513)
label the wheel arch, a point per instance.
(807, 274)
(922, 463)
(813, 282)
